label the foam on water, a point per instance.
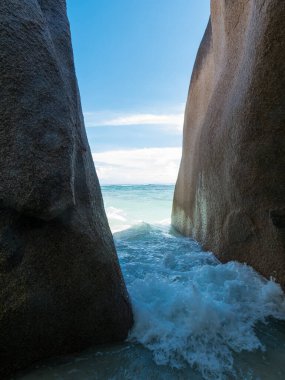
(118, 218)
(195, 318)
(189, 308)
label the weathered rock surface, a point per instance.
(61, 286)
(230, 192)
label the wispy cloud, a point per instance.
(138, 166)
(99, 119)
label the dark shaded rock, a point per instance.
(278, 217)
(230, 192)
(61, 287)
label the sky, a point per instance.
(133, 60)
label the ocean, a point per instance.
(195, 318)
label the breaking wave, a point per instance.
(189, 308)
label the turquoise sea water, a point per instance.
(195, 318)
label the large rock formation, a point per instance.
(230, 192)
(61, 286)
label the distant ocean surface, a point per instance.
(129, 206)
(195, 318)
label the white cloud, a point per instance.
(138, 166)
(98, 119)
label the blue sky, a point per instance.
(133, 61)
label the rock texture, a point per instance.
(61, 286)
(230, 192)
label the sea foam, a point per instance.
(190, 309)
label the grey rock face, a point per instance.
(61, 287)
(230, 191)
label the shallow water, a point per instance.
(195, 318)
